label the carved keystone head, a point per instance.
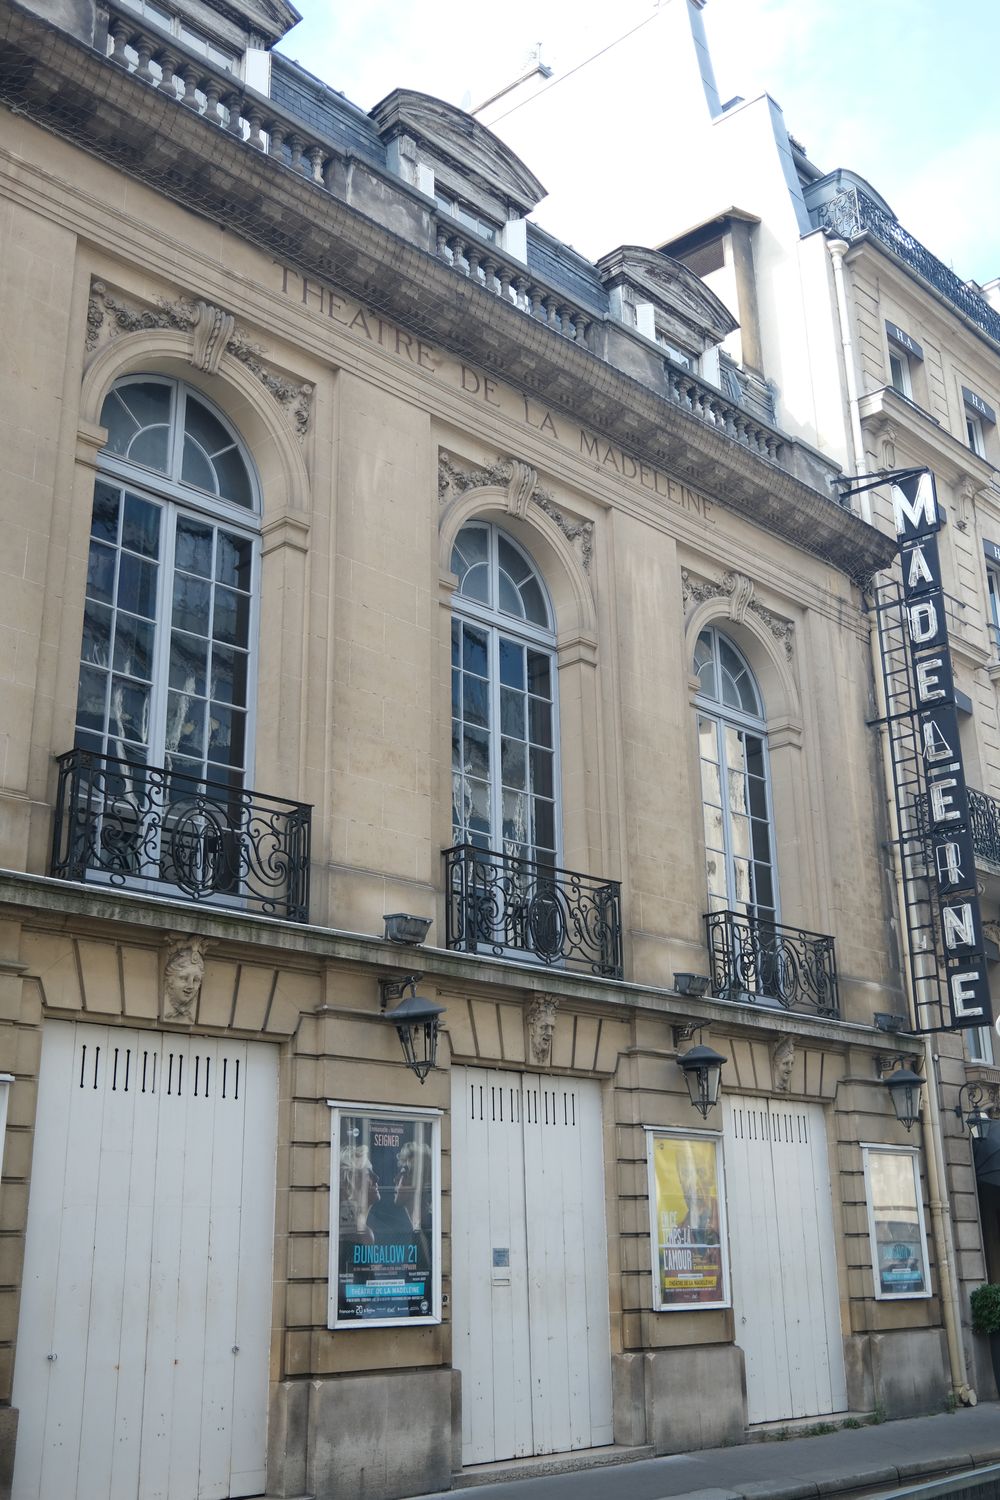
(183, 972)
(541, 1022)
(782, 1063)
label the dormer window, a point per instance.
(467, 218)
(187, 35)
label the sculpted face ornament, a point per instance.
(182, 976)
(541, 1029)
(782, 1063)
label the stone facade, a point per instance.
(387, 395)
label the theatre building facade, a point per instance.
(435, 707)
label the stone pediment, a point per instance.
(672, 286)
(471, 149)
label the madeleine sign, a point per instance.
(953, 870)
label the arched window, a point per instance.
(504, 772)
(166, 664)
(735, 787)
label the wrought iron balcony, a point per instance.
(515, 908)
(853, 213)
(766, 963)
(146, 827)
(984, 823)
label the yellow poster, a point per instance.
(687, 1232)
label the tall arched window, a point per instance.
(166, 676)
(504, 773)
(735, 787)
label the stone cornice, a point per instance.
(73, 91)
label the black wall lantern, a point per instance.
(702, 1069)
(972, 1112)
(416, 1021)
(904, 1087)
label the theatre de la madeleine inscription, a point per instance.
(366, 326)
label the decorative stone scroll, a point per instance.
(214, 332)
(183, 972)
(541, 1023)
(740, 592)
(520, 483)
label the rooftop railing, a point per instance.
(852, 213)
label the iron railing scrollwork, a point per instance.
(512, 908)
(984, 825)
(853, 212)
(139, 825)
(763, 962)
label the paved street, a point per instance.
(868, 1459)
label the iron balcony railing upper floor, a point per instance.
(150, 828)
(984, 825)
(752, 959)
(852, 213)
(516, 908)
(209, 89)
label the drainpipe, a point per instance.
(838, 249)
(937, 1181)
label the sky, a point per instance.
(902, 91)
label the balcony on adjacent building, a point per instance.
(759, 962)
(509, 907)
(984, 825)
(151, 829)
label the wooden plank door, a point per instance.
(530, 1313)
(783, 1257)
(141, 1366)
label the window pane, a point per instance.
(474, 700)
(708, 738)
(141, 527)
(185, 724)
(474, 650)
(96, 645)
(456, 643)
(91, 698)
(509, 597)
(134, 646)
(711, 786)
(234, 478)
(101, 573)
(477, 758)
(540, 721)
(130, 408)
(476, 584)
(104, 523)
(149, 448)
(715, 867)
(137, 586)
(232, 560)
(515, 818)
(512, 713)
(513, 763)
(191, 601)
(229, 675)
(545, 824)
(740, 828)
(196, 469)
(541, 772)
(188, 659)
(193, 552)
(539, 673)
(533, 600)
(512, 663)
(714, 831)
(231, 622)
(477, 809)
(129, 715)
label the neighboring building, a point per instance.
(882, 356)
(418, 564)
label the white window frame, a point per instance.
(338, 1109)
(993, 602)
(975, 435)
(868, 1149)
(653, 1134)
(900, 360)
(979, 1040)
(497, 623)
(722, 714)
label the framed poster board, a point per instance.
(687, 1216)
(385, 1216)
(896, 1222)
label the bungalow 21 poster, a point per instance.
(687, 1229)
(386, 1219)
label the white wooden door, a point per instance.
(529, 1264)
(783, 1257)
(142, 1356)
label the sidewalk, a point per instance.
(888, 1456)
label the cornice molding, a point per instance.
(213, 174)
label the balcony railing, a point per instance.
(146, 827)
(853, 212)
(764, 963)
(515, 908)
(984, 823)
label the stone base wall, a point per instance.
(695, 1398)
